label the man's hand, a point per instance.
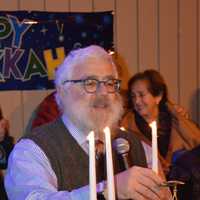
(4, 125)
(140, 183)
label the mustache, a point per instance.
(101, 101)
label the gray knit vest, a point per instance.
(69, 161)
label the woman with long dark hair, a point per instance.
(178, 137)
(148, 101)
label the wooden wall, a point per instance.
(159, 34)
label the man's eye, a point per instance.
(110, 83)
(90, 82)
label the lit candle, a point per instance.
(154, 146)
(92, 166)
(109, 165)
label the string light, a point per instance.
(30, 22)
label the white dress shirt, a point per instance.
(30, 175)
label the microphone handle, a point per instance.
(125, 160)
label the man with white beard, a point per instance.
(52, 161)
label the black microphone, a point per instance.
(122, 148)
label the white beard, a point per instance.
(97, 114)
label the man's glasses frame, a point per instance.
(91, 85)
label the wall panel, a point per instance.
(62, 5)
(81, 5)
(8, 4)
(31, 5)
(188, 56)
(102, 5)
(147, 12)
(169, 45)
(126, 38)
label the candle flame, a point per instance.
(106, 129)
(152, 124)
(90, 135)
(122, 128)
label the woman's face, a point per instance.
(144, 102)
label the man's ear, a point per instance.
(59, 91)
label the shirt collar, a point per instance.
(79, 136)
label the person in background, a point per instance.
(148, 101)
(6, 146)
(47, 111)
(52, 161)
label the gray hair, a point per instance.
(79, 57)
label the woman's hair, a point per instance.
(155, 83)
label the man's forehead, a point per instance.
(98, 69)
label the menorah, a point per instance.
(173, 184)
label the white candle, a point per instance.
(92, 167)
(109, 165)
(154, 146)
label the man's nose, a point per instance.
(102, 88)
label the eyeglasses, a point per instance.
(91, 85)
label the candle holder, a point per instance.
(173, 184)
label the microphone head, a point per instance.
(122, 146)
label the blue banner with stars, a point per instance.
(33, 44)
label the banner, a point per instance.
(33, 44)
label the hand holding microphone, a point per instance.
(137, 182)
